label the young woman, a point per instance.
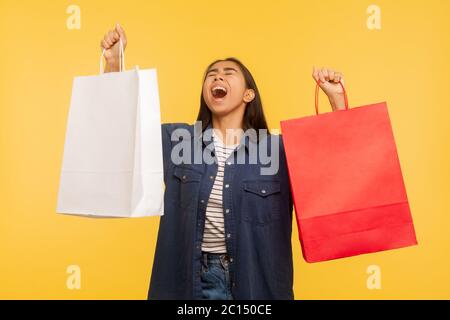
(226, 229)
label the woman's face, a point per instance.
(224, 88)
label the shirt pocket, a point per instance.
(261, 201)
(189, 183)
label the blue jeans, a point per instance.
(215, 277)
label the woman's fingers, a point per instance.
(318, 75)
(114, 36)
(103, 44)
(331, 75)
(336, 77)
(107, 40)
(322, 75)
(110, 40)
(121, 33)
(327, 75)
(315, 74)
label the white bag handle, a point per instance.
(121, 60)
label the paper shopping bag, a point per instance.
(347, 185)
(112, 164)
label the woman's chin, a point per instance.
(219, 107)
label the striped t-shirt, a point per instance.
(214, 232)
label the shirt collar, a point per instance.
(248, 141)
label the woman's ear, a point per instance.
(249, 95)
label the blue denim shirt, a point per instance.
(257, 216)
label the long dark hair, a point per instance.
(253, 116)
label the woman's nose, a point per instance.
(218, 76)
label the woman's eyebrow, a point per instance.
(225, 69)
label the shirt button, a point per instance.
(227, 185)
(202, 201)
(231, 260)
(211, 177)
(228, 235)
(227, 210)
(229, 163)
(263, 191)
(184, 177)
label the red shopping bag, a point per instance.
(348, 190)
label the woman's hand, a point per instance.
(329, 83)
(110, 43)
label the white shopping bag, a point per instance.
(113, 163)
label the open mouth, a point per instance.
(219, 92)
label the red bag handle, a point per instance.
(317, 96)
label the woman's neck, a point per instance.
(228, 128)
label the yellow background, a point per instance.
(406, 63)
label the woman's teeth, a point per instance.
(219, 92)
